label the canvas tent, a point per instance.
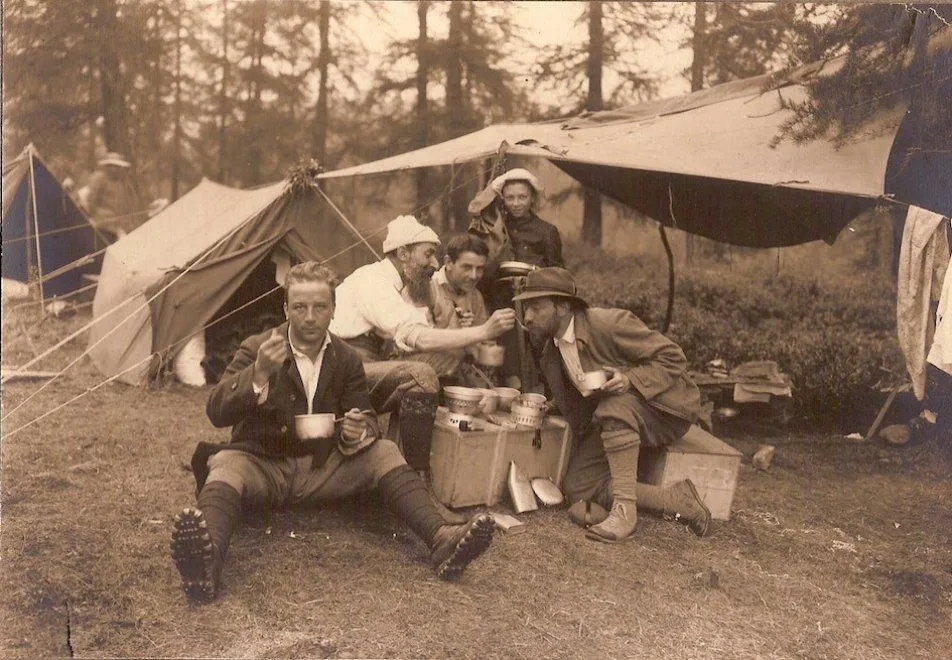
(707, 157)
(44, 230)
(190, 259)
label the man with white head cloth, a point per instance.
(374, 317)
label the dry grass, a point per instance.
(840, 550)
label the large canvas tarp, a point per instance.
(44, 230)
(708, 159)
(163, 282)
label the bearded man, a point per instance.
(378, 311)
(647, 400)
(454, 302)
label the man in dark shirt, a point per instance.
(507, 220)
(534, 241)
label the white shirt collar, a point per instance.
(568, 337)
(300, 354)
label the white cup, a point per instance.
(313, 427)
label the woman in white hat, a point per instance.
(533, 240)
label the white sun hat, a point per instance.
(114, 158)
(517, 174)
(407, 230)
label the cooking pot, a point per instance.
(490, 354)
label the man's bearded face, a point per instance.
(418, 267)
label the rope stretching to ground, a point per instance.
(149, 301)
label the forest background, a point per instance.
(239, 91)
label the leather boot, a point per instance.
(200, 538)
(623, 517)
(417, 416)
(680, 500)
(452, 547)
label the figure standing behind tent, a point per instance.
(295, 369)
(110, 199)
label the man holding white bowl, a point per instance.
(620, 385)
(271, 395)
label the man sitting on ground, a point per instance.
(374, 317)
(300, 368)
(647, 400)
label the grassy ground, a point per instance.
(841, 549)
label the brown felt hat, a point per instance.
(552, 281)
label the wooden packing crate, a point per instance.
(711, 464)
(470, 468)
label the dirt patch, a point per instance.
(833, 552)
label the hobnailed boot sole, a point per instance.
(470, 544)
(194, 555)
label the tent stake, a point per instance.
(882, 411)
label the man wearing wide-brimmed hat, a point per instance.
(376, 318)
(110, 198)
(647, 400)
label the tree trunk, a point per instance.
(592, 199)
(697, 82)
(223, 94)
(254, 118)
(177, 108)
(321, 118)
(456, 110)
(422, 102)
(111, 87)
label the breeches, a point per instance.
(389, 380)
(619, 422)
(272, 482)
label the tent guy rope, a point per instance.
(158, 354)
(144, 305)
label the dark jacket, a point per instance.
(654, 365)
(267, 429)
(535, 241)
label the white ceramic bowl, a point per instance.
(312, 427)
(531, 400)
(515, 268)
(593, 380)
(465, 400)
(506, 396)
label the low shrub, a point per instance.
(833, 334)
